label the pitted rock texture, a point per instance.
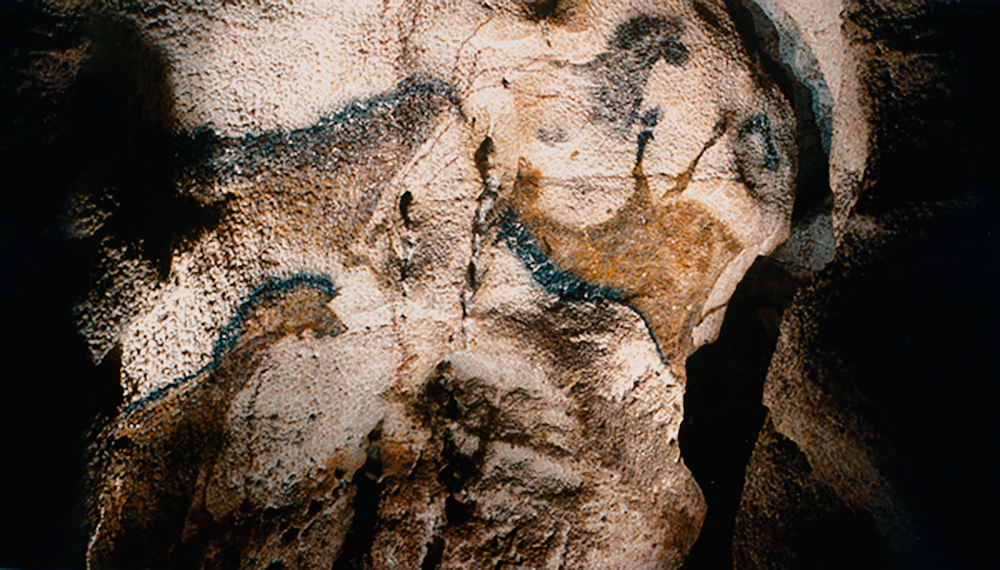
(443, 324)
(415, 283)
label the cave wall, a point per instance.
(581, 284)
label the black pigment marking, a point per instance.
(761, 38)
(645, 136)
(358, 542)
(649, 120)
(459, 468)
(756, 158)
(544, 272)
(435, 553)
(761, 125)
(649, 38)
(404, 206)
(230, 334)
(403, 117)
(446, 400)
(620, 74)
(706, 14)
(552, 135)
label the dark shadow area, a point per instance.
(917, 323)
(360, 537)
(723, 412)
(907, 319)
(909, 335)
(50, 390)
(78, 119)
(131, 154)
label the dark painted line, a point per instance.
(229, 334)
(544, 272)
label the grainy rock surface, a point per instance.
(441, 315)
(434, 284)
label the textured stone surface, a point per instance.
(443, 324)
(412, 284)
(877, 404)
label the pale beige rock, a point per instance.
(465, 250)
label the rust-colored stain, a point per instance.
(661, 259)
(157, 463)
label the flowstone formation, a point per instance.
(441, 315)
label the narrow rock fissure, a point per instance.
(435, 553)
(360, 538)
(723, 413)
(483, 218)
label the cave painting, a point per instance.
(442, 318)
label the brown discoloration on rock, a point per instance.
(662, 259)
(464, 416)
(164, 458)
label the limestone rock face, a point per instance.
(882, 380)
(457, 257)
(464, 284)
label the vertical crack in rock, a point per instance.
(484, 215)
(360, 537)
(723, 413)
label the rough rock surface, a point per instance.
(880, 388)
(441, 315)
(435, 284)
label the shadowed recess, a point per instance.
(722, 404)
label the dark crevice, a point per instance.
(358, 542)
(542, 10)
(447, 401)
(723, 413)
(456, 512)
(435, 553)
(555, 12)
(483, 157)
(404, 206)
(459, 469)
